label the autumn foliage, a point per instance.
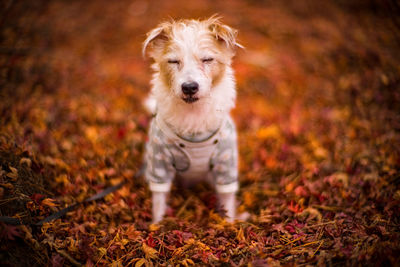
(319, 136)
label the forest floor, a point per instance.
(318, 116)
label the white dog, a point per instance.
(192, 136)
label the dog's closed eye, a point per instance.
(173, 61)
(207, 60)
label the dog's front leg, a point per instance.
(227, 201)
(159, 200)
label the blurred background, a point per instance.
(317, 112)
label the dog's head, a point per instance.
(191, 56)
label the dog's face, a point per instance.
(191, 56)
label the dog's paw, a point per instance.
(155, 221)
(244, 216)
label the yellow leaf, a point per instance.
(91, 134)
(318, 149)
(115, 181)
(12, 175)
(82, 162)
(341, 177)
(178, 251)
(270, 193)
(116, 264)
(62, 179)
(186, 262)
(57, 162)
(72, 245)
(321, 153)
(154, 227)
(396, 195)
(311, 213)
(109, 197)
(13, 170)
(270, 162)
(374, 177)
(66, 145)
(240, 235)
(289, 187)
(150, 252)
(271, 131)
(384, 79)
(26, 161)
(190, 261)
(140, 262)
(248, 198)
(103, 251)
(49, 202)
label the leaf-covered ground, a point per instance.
(318, 115)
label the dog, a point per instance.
(192, 136)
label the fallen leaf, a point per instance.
(49, 202)
(150, 252)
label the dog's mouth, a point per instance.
(190, 99)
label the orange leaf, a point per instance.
(49, 202)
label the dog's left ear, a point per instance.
(223, 33)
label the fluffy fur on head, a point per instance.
(192, 52)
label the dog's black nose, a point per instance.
(190, 88)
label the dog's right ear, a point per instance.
(156, 39)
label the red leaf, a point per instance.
(300, 191)
(150, 241)
(9, 232)
(121, 133)
(295, 208)
(37, 198)
(57, 260)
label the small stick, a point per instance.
(320, 244)
(294, 240)
(66, 255)
(3, 201)
(328, 208)
(307, 244)
(183, 206)
(319, 224)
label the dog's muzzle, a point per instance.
(189, 90)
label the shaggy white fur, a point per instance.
(204, 115)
